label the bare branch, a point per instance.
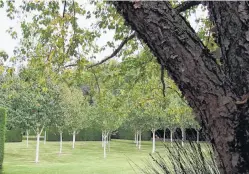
(64, 9)
(186, 5)
(115, 51)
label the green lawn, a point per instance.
(86, 158)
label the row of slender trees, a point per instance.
(48, 101)
(55, 81)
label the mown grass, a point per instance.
(86, 158)
(123, 158)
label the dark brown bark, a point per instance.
(212, 91)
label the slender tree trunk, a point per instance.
(105, 142)
(74, 134)
(140, 137)
(37, 147)
(171, 137)
(164, 134)
(135, 139)
(27, 136)
(137, 134)
(45, 137)
(102, 139)
(109, 142)
(60, 142)
(197, 136)
(217, 94)
(183, 135)
(153, 140)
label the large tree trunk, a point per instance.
(218, 94)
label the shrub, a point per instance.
(2, 134)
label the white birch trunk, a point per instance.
(109, 142)
(74, 133)
(164, 132)
(153, 141)
(139, 144)
(105, 137)
(60, 142)
(137, 134)
(102, 139)
(27, 136)
(171, 137)
(198, 136)
(45, 137)
(135, 139)
(37, 147)
(183, 136)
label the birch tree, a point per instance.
(108, 115)
(75, 108)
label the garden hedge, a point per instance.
(2, 133)
(129, 135)
(13, 135)
(90, 134)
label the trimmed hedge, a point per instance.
(129, 135)
(13, 135)
(2, 134)
(90, 134)
(93, 134)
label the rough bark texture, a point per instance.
(218, 94)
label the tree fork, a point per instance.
(202, 82)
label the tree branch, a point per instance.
(186, 5)
(64, 9)
(74, 64)
(116, 51)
